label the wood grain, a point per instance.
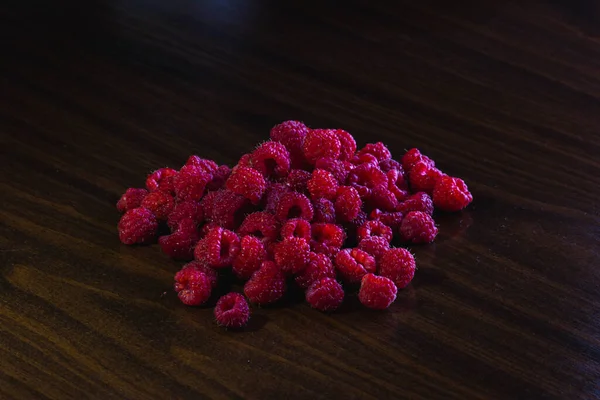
(94, 95)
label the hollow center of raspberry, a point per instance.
(270, 166)
(224, 249)
(294, 212)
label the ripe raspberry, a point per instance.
(297, 180)
(391, 219)
(398, 265)
(160, 203)
(325, 294)
(252, 254)
(375, 246)
(365, 158)
(294, 205)
(321, 143)
(379, 150)
(414, 156)
(161, 179)
(192, 286)
(185, 210)
(291, 255)
(207, 228)
(347, 203)
(319, 266)
(390, 164)
(291, 134)
(337, 168)
(365, 177)
(377, 292)
(322, 184)
(375, 229)
(207, 204)
(273, 196)
(232, 311)
(218, 248)
(324, 211)
(418, 227)
(271, 159)
(261, 224)
(190, 183)
(132, 198)
(219, 177)
(423, 177)
(397, 184)
(328, 234)
(244, 161)
(267, 285)
(451, 194)
(229, 209)
(138, 225)
(206, 165)
(180, 244)
(417, 202)
(247, 182)
(347, 144)
(353, 264)
(296, 227)
(382, 198)
(211, 273)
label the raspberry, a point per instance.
(232, 311)
(319, 266)
(379, 150)
(206, 165)
(218, 248)
(365, 158)
(325, 294)
(418, 227)
(391, 219)
(138, 225)
(417, 202)
(207, 228)
(390, 164)
(375, 229)
(451, 194)
(322, 184)
(179, 245)
(271, 159)
(297, 180)
(291, 134)
(247, 182)
(347, 144)
(192, 286)
(398, 265)
(261, 224)
(229, 209)
(347, 203)
(336, 167)
(374, 245)
(291, 255)
(294, 205)
(252, 254)
(211, 274)
(377, 292)
(365, 177)
(190, 182)
(324, 211)
(328, 234)
(321, 143)
(207, 204)
(160, 203)
(353, 264)
(244, 161)
(414, 156)
(185, 210)
(296, 227)
(397, 184)
(382, 198)
(219, 177)
(423, 177)
(266, 285)
(132, 198)
(273, 196)
(161, 179)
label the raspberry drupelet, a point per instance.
(138, 226)
(418, 227)
(377, 292)
(325, 294)
(398, 265)
(232, 311)
(132, 198)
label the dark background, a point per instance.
(94, 95)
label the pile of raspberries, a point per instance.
(304, 208)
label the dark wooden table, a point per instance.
(506, 94)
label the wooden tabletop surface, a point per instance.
(96, 94)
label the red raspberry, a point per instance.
(325, 294)
(397, 184)
(138, 225)
(347, 203)
(337, 168)
(252, 254)
(247, 182)
(382, 198)
(321, 143)
(365, 177)
(190, 182)
(418, 227)
(160, 203)
(161, 179)
(377, 292)
(218, 248)
(229, 209)
(207, 228)
(244, 161)
(232, 311)
(365, 158)
(273, 196)
(219, 178)
(291, 134)
(374, 245)
(192, 286)
(296, 227)
(414, 156)
(398, 265)
(390, 164)
(180, 244)
(294, 205)
(322, 184)
(211, 273)
(267, 285)
(324, 211)
(271, 159)
(417, 202)
(347, 144)
(206, 165)
(261, 224)
(379, 150)
(391, 219)
(319, 266)
(297, 180)
(291, 255)
(328, 234)
(207, 204)
(185, 210)
(423, 177)
(451, 194)
(375, 229)
(353, 264)
(132, 198)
